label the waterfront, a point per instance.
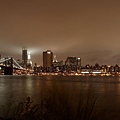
(107, 89)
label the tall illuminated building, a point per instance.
(24, 57)
(29, 62)
(29, 57)
(47, 58)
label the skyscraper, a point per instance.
(29, 62)
(75, 61)
(24, 57)
(47, 58)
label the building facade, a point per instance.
(47, 58)
(24, 57)
(74, 61)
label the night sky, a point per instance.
(89, 29)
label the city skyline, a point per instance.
(86, 29)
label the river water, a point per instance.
(107, 89)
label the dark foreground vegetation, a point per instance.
(56, 103)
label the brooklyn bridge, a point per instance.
(8, 65)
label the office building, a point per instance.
(24, 57)
(73, 61)
(47, 58)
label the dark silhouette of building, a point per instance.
(24, 57)
(47, 58)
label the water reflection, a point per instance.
(19, 87)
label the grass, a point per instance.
(58, 102)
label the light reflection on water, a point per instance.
(19, 87)
(30, 85)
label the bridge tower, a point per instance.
(9, 69)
